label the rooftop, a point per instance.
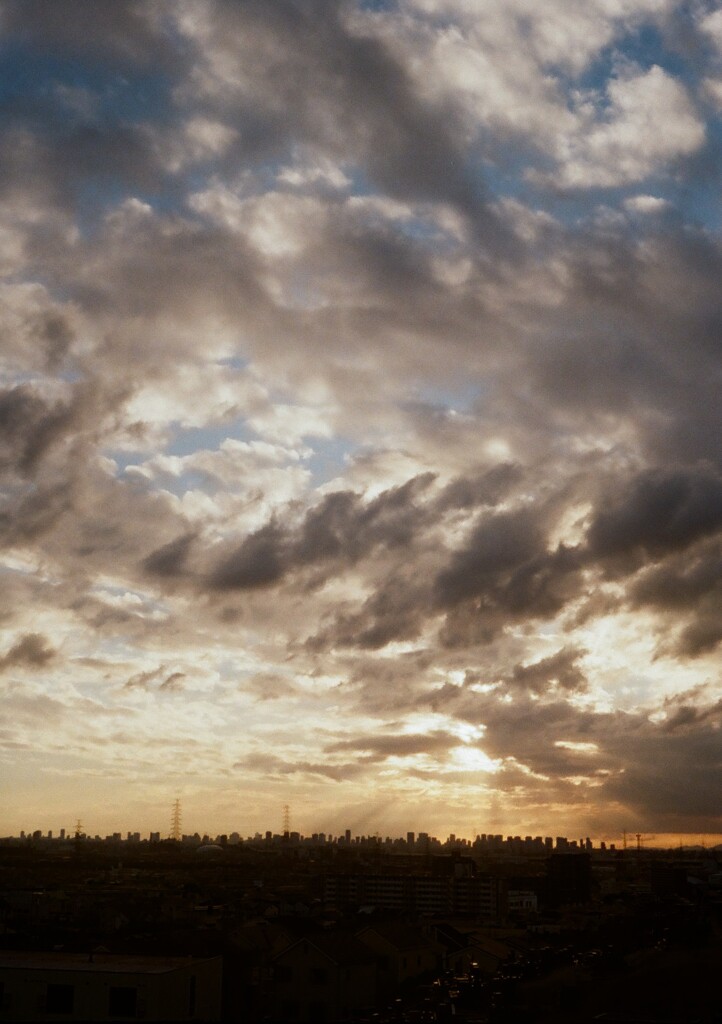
(100, 962)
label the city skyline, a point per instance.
(627, 839)
(419, 842)
(359, 415)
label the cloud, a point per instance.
(367, 111)
(30, 426)
(125, 31)
(147, 680)
(341, 528)
(624, 145)
(258, 562)
(382, 747)
(664, 510)
(561, 668)
(31, 651)
(170, 559)
(275, 766)
(359, 368)
(504, 573)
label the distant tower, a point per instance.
(78, 829)
(175, 821)
(286, 826)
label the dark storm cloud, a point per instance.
(471, 491)
(33, 650)
(684, 715)
(170, 559)
(505, 572)
(498, 546)
(57, 336)
(663, 510)
(703, 634)
(673, 775)
(525, 725)
(343, 527)
(561, 668)
(258, 562)
(35, 514)
(43, 444)
(687, 588)
(395, 611)
(651, 768)
(30, 426)
(680, 582)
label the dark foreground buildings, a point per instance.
(283, 930)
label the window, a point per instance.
(192, 996)
(318, 975)
(60, 998)
(122, 1001)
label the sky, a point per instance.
(360, 416)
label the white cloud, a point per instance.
(649, 122)
(712, 91)
(646, 204)
(711, 26)
(310, 169)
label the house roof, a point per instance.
(104, 963)
(338, 947)
(402, 936)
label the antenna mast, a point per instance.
(175, 821)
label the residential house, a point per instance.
(103, 986)
(403, 954)
(328, 976)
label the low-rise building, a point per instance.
(329, 977)
(103, 987)
(403, 954)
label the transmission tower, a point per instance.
(78, 829)
(286, 824)
(175, 821)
